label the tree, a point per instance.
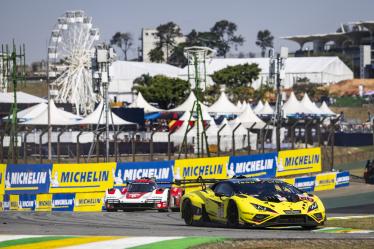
(167, 34)
(156, 55)
(177, 57)
(226, 38)
(238, 80)
(264, 40)
(123, 41)
(239, 75)
(167, 92)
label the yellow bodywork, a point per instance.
(216, 208)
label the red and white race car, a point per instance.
(143, 194)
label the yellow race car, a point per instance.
(254, 202)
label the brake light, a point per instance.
(161, 205)
(111, 191)
(175, 191)
(159, 191)
(124, 191)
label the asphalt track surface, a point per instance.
(142, 223)
(357, 199)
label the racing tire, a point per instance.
(232, 215)
(188, 212)
(163, 210)
(204, 215)
(175, 209)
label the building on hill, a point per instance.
(353, 40)
(149, 41)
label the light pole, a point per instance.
(280, 75)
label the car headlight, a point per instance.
(262, 208)
(313, 206)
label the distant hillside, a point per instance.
(350, 87)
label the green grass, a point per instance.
(18, 242)
(357, 223)
(181, 243)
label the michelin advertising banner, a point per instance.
(342, 179)
(213, 167)
(89, 202)
(263, 166)
(306, 183)
(27, 178)
(2, 178)
(325, 181)
(63, 202)
(85, 177)
(294, 162)
(43, 202)
(162, 171)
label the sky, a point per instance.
(31, 22)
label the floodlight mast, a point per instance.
(197, 57)
(279, 63)
(103, 58)
(13, 61)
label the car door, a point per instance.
(217, 200)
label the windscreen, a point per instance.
(267, 189)
(141, 187)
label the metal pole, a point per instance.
(249, 137)
(40, 145)
(278, 107)
(78, 144)
(115, 137)
(151, 146)
(25, 145)
(233, 138)
(133, 147)
(169, 149)
(49, 113)
(58, 144)
(219, 140)
(106, 106)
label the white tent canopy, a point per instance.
(224, 106)
(266, 110)
(140, 102)
(30, 113)
(57, 117)
(258, 107)
(293, 107)
(22, 98)
(317, 69)
(188, 104)
(325, 110)
(248, 118)
(98, 117)
(309, 105)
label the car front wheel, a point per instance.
(187, 212)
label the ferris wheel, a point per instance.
(70, 49)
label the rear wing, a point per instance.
(199, 180)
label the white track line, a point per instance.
(13, 237)
(350, 217)
(122, 243)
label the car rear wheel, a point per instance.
(232, 215)
(187, 212)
